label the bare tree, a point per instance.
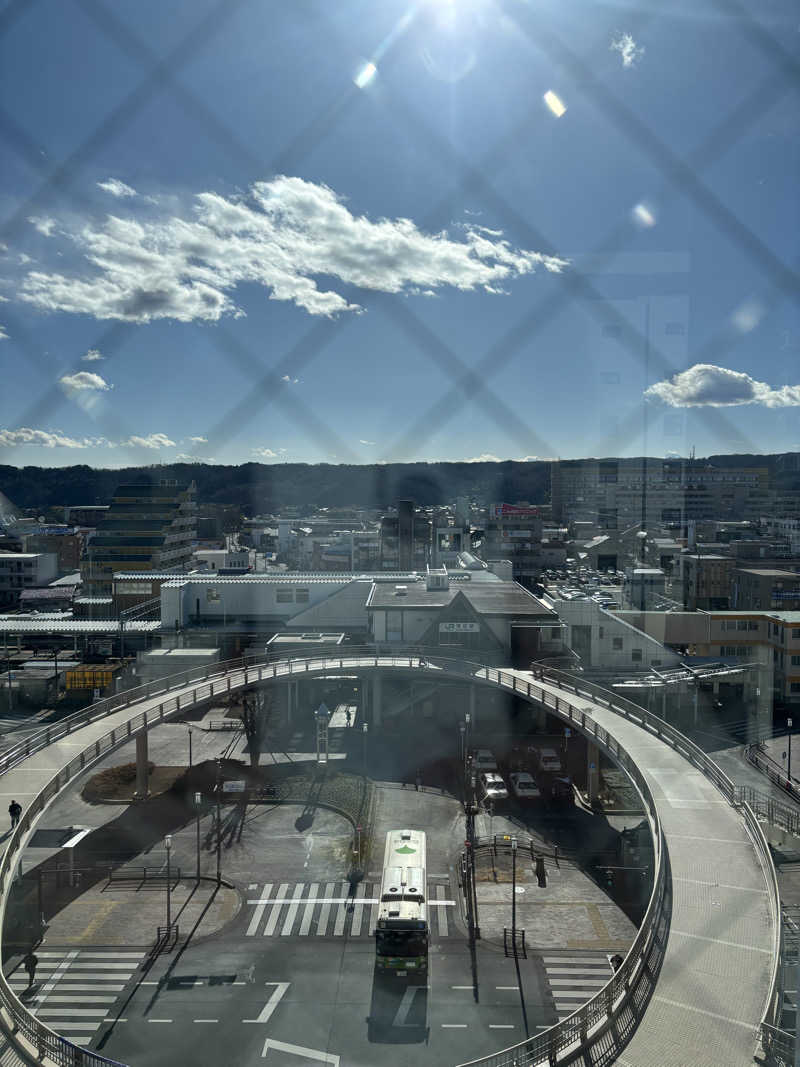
(256, 712)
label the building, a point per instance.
(405, 539)
(760, 588)
(514, 532)
(706, 581)
(149, 526)
(603, 641)
(65, 541)
(85, 514)
(223, 559)
(24, 570)
(644, 586)
(656, 493)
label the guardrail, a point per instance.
(766, 766)
(570, 1033)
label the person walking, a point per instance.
(14, 810)
(347, 716)
(30, 964)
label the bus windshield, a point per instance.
(401, 943)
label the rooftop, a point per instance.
(487, 598)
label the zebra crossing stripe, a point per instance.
(308, 911)
(291, 914)
(358, 909)
(341, 915)
(259, 912)
(322, 924)
(441, 914)
(275, 911)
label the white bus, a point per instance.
(401, 936)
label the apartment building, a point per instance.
(148, 527)
(706, 581)
(24, 570)
(754, 588)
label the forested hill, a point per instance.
(259, 488)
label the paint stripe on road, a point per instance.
(275, 911)
(358, 909)
(325, 910)
(341, 915)
(308, 910)
(259, 912)
(291, 914)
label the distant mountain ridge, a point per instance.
(260, 488)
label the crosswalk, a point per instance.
(76, 989)
(329, 909)
(574, 978)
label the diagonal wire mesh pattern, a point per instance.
(469, 384)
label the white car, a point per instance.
(523, 786)
(547, 759)
(493, 788)
(484, 760)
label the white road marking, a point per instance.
(719, 941)
(702, 1011)
(461, 987)
(514, 987)
(308, 911)
(272, 1003)
(454, 1026)
(341, 916)
(291, 914)
(441, 916)
(298, 1050)
(501, 1026)
(322, 922)
(272, 921)
(358, 910)
(205, 1020)
(259, 912)
(159, 1020)
(406, 1004)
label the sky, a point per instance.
(397, 231)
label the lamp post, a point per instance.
(514, 894)
(789, 769)
(219, 822)
(168, 846)
(463, 751)
(198, 800)
(190, 746)
(364, 731)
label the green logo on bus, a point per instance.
(405, 849)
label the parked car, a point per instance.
(547, 759)
(523, 786)
(493, 788)
(484, 759)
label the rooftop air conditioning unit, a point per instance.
(401, 590)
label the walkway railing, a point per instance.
(775, 774)
(188, 689)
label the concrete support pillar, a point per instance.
(289, 708)
(141, 766)
(592, 770)
(377, 698)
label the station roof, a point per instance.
(17, 624)
(487, 598)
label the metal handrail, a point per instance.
(577, 1027)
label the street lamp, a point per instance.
(168, 846)
(514, 894)
(190, 746)
(198, 800)
(462, 729)
(219, 822)
(364, 730)
(789, 769)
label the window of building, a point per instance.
(555, 631)
(794, 687)
(285, 596)
(795, 632)
(616, 644)
(741, 624)
(301, 596)
(752, 626)
(796, 661)
(636, 655)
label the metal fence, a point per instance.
(592, 1018)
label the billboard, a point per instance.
(512, 510)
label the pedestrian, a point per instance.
(30, 963)
(347, 716)
(417, 780)
(14, 810)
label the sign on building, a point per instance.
(459, 627)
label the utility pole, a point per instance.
(168, 846)
(190, 746)
(219, 822)
(789, 769)
(198, 800)
(514, 894)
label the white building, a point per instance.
(603, 641)
(25, 570)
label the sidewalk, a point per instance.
(776, 749)
(128, 913)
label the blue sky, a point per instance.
(527, 229)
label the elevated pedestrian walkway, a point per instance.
(698, 986)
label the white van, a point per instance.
(547, 759)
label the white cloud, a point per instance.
(284, 235)
(187, 457)
(361, 441)
(92, 356)
(265, 453)
(199, 440)
(484, 457)
(46, 439)
(116, 188)
(3, 333)
(707, 385)
(153, 441)
(45, 226)
(628, 49)
(83, 381)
